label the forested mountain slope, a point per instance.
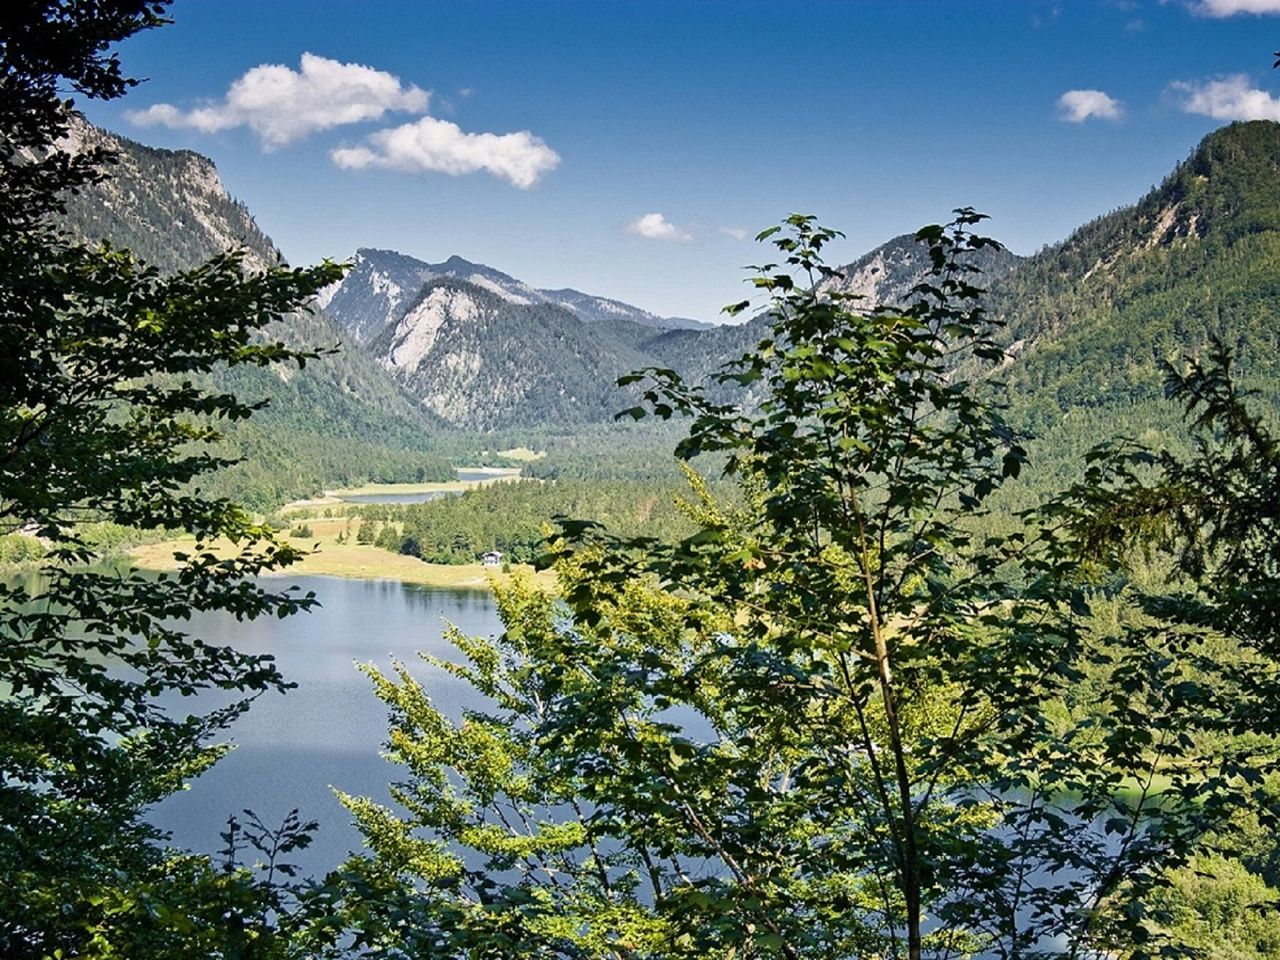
(341, 417)
(1090, 319)
(465, 345)
(482, 362)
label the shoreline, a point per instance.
(352, 561)
(332, 498)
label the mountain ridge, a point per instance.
(1091, 320)
(482, 362)
(342, 418)
(381, 280)
(457, 344)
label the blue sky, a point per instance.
(626, 148)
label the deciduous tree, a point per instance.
(102, 417)
(836, 722)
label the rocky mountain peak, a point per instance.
(887, 275)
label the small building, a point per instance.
(492, 559)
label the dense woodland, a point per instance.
(920, 671)
(515, 518)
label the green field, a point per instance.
(522, 454)
(349, 559)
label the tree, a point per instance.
(42, 44)
(102, 417)
(1215, 514)
(843, 720)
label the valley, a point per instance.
(435, 600)
(327, 530)
(428, 366)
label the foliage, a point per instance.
(1220, 910)
(103, 420)
(833, 721)
(187, 905)
(513, 516)
(16, 549)
(1214, 515)
(1217, 511)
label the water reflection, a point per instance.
(328, 731)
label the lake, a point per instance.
(475, 474)
(423, 497)
(465, 475)
(291, 748)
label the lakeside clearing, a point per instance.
(522, 454)
(331, 557)
(351, 560)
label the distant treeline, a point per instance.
(511, 517)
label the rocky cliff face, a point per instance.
(480, 361)
(381, 282)
(338, 418)
(887, 275)
(167, 206)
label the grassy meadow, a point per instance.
(333, 550)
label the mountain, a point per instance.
(169, 207)
(372, 292)
(341, 418)
(375, 291)
(595, 309)
(486, 351)
(884, 276)
(481, 361)
(433, 346)
(887, 275)
(1091, 319)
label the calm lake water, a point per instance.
(328, 731)
(291, 748)
(471, 474)
(397, 497)
(465, 475)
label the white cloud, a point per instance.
(1228, 98)
(1077, 106)
(1229, 8)
(654, 226)
(434, 145)
(282, 105)
(736, 232)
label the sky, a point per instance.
(634, 149)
